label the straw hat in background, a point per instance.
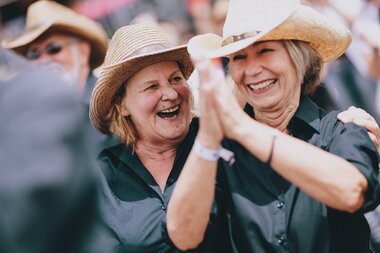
(46, 17)
(131, 48)
(250, 21)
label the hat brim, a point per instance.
(328, 38)
(112, 77)
(98, 43)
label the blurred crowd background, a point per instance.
(353, 79)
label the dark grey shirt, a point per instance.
(269, 214)
(134, 208)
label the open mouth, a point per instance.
(169, 113)
(261, 87)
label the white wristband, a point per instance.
(213, 154)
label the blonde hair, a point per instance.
(308, 64)
(122, 126)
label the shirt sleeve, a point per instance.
(352, 143)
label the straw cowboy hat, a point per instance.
(250, 21)
(129, 52)
(44, 17)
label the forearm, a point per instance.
(190, 204)
(324, 176)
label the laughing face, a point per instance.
(157, 100)
(266, 75)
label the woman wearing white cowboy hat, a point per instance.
(302, 179)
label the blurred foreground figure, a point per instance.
(47, 188)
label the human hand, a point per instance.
(210, 131)
(229, 103)
(364, 119)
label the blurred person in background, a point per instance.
(351, 79)
(47, 184)
(57, 36)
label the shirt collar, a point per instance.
(123, 152)
(308, 113)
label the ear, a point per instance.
(122, 109)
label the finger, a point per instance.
(373, 130)
(362, 113)
(374, 140)
(353, 113)
(370, 125)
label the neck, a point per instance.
(155, 152)
(278, 118)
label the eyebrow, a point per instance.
(178, 70)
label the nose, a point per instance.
(169, 93)
(253, 67)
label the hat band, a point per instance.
(235, 38)
(152, 48)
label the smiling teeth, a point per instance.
(260, 86)
(170, 110)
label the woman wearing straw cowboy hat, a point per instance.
(142, 97)
(301, 180)
(58, 36)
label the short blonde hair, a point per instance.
(120, 125)
(308, 64)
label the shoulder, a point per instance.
(110, 158)
(331, 125)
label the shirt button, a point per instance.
(281, 240)
(280, 204)
(171, 180)
(163, 208)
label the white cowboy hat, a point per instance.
(250, 21)
(126, 56)
(45, 17)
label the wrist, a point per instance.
(214, 154)
(208, 141)
(242, 130)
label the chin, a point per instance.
(176, 133)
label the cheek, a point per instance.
(147, 104)
(236, 73)
(183, 91)
(142, 106)
(65, 60)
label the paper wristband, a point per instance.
(213, 154)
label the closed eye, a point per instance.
(265, 50)
(176, 79)
(152, 87)
(239, 57)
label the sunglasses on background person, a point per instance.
(51, 48)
